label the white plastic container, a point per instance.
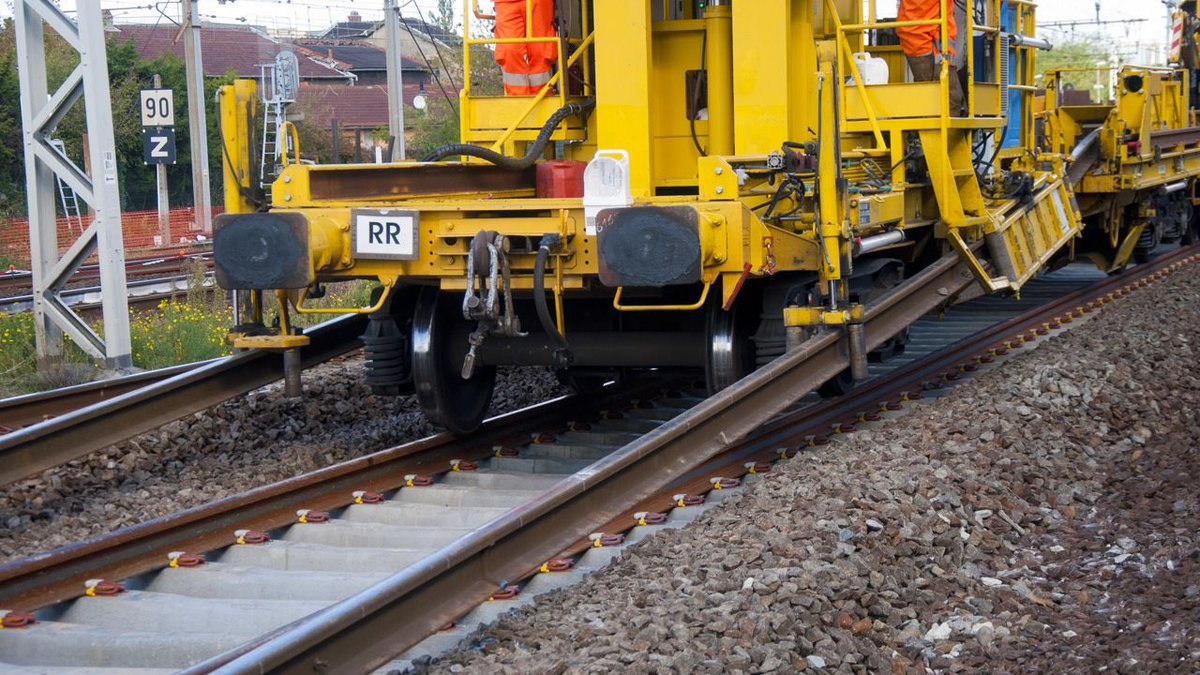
(874, 69)
(605, 185)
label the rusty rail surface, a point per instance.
(22, 411)
(58, 575)
(55, 441)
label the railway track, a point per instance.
(138, 292)
(17, 282)
(347, 567)
(121, 409)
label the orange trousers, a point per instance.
(526, 67)
(923, 40)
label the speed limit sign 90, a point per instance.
(158, 108)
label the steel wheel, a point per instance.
(730, 351)
(447, 399)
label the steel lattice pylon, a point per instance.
(41, 112)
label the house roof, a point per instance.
(237, 49)
(350, 29)
(358, 106)
(445, 37)
(356, 56)
(344, 30)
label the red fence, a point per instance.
(140, 229)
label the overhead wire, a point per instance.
(433, 71)
(441, 59)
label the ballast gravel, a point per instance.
(1042, 517)
(243, 443)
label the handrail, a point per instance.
(845, 58)
(844, 43)
(558, 80)
(479, 14)
(293, 136)
(616, 303)
(543, 92)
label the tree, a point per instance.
(433, 127)
(443, 17)
(128, 75)
(1088, 62)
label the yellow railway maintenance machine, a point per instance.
(701, 185)
(1134, 161)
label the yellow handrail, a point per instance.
(660, 308)
(383, 298)
(844, 43)
(542, 93)
(289, 130)
(479, 14)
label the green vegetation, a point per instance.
(1090, 59)
(179, 332)
(128, 75)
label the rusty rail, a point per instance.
(58, 575)
(22, 411)
(55, 441)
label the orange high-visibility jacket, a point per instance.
(924, 40)
(527, 67)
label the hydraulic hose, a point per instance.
(532, 154)
(539, 294)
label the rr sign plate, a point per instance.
(385, 235)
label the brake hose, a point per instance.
(535, 150)
(548, 242)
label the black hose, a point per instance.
(532, 154)
(539, 293)
(701, 79)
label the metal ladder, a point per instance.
(66, 194)
(272, 122)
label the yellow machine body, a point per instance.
(732, 146)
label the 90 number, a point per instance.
(158, 108)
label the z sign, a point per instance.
(158, 146)
(158, 108)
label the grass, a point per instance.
(188, 328)
(19, 373)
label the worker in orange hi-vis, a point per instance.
(923, 45)
(527, 67)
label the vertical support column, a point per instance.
(164, 199)
(197, 124)
(829, 174)
(236, 106)
(106, 202)
(39, 178)
(718, 20)
(40, 116)
(623, 97)
(395, 79)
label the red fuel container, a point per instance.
(560, 179)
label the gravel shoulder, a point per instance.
(244, 443)
(1042, 517)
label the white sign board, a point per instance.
(385, 235)
(158, 108)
